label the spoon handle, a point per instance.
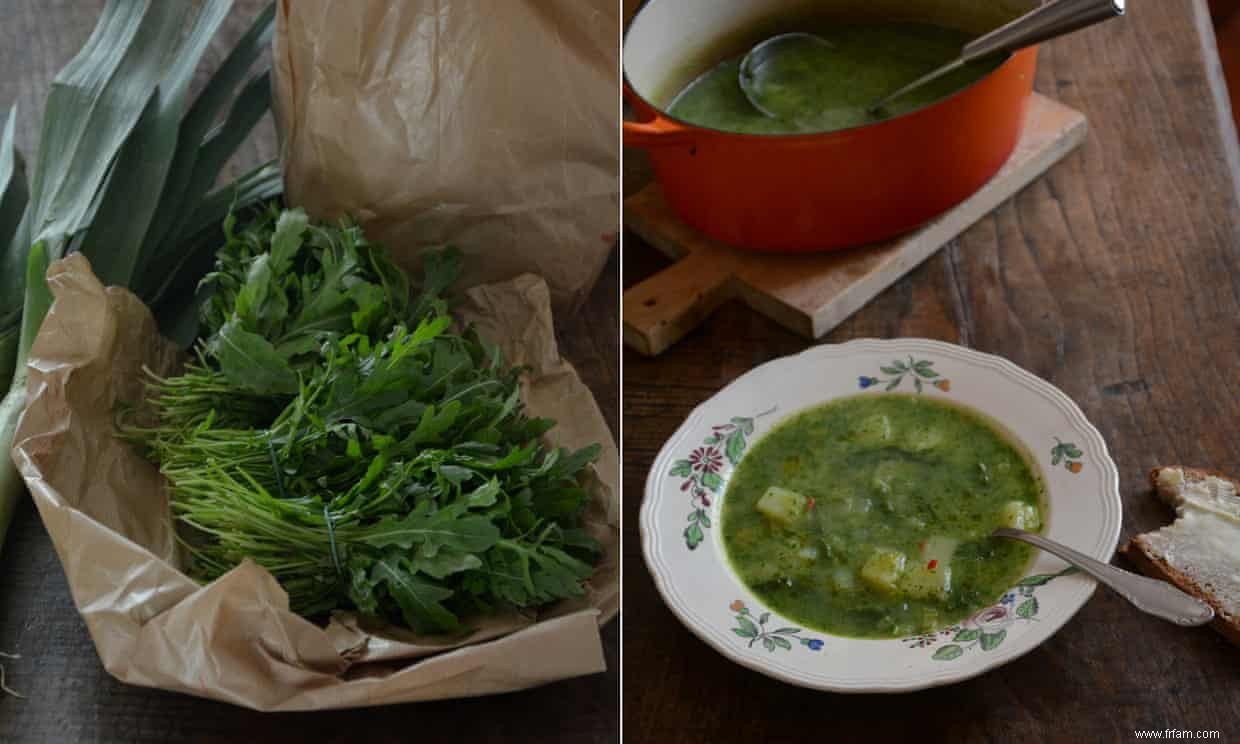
(1049, 21)
(1158, 598)
(1052, 20)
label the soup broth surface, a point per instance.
(869, 516)
(831, 86)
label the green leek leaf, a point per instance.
(251, 105)
(14, 195)
(177, 200)
(93, 106)
(212, 155)
(38, 298)
(113, 240)
(120, 163)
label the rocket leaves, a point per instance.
(250, 362)
(525, 574)
(337, 430)
(447, 529)
(419, 600)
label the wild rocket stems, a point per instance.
(337, 431)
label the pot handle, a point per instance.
(657, 132)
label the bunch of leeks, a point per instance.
(125, 174)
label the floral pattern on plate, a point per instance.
(702, 471)
(915, 369)
(1068, 454)
(757, 632)
(988, 628)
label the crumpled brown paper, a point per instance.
(490, 125)
(235, 639)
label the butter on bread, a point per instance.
(1200, 551)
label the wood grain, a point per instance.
(1117, 278)
(69, 697)
(811, 294)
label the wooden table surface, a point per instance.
(69, 696)
(1117, 278)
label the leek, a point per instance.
(13, 197)
(124, 175)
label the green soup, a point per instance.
(869, 516)
(832, 87)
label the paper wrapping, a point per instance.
(235, 639)
(492, 125)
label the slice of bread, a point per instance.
(1200, 551)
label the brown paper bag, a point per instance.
(235, 639)
(491, 125)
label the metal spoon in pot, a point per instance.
(762, 75)
(1050, 21)
(779, 63)
(1157, 598)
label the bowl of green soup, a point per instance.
(826, 518)
(826, 172)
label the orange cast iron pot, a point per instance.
(820, 192)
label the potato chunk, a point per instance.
(874, 430)
(1020, 515)
(781, 505)
(923, 438)
(931, 576)
(883, 570)
(939, 548)
(922, 582)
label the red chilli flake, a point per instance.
(932, 565)
(812, 502)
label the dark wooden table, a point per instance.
(70, 698)
(1117, 278)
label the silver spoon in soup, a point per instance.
(782, 75)
(1152, 596)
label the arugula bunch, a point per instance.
(337, 430)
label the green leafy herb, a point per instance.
(336, 430)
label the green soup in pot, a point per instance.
(869, 516)
(831, 86)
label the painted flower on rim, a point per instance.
(737, 606)
(866, 382)
(813, 644)
(706, 459)
(993, 619)
(944, 385)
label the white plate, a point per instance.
(685, 554)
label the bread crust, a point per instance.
(1150, 563)
(1192, 474)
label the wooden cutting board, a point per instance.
(811, 294)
